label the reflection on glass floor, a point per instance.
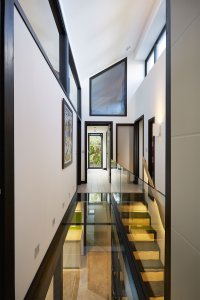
(87, 250)
(88, 276)
(93, 266)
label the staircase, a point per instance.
(142, 239)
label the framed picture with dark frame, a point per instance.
(67, 134)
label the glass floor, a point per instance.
(93, 251)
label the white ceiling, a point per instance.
(101, 30)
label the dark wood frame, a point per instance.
(150, 122)
(95, 134)
(118, 125)
(65, 105)
(136, 147)
(153, 50)
(78, 151)
(125, 87)
(97, 123)
(7, 219)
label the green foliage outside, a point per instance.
(95, 151)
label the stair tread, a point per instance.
(146, 255)
(155, 288)
(150, 265)
(156, 298)
(145, 246)
(153, 276)
(136, 221)
(135, 228)
(141, 236)
(135, 215)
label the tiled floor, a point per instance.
(98, 183)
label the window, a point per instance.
(108, 91)
(44, 27)
(156, 51)
(150, 62)
(161, 45)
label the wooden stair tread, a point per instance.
(142, 236)
(146, 255)
(156, 298)
(135, 215)
(150, 265)
(139, 228)
(132, 208)
(145, 246)
(136, 221)
(153, 276)
(132, 197)
(155, 288)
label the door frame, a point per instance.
(117, 126)
(78, 150)
(136, 147)
(97, 123)
(150, 129)
(7, 221)
(95, 134)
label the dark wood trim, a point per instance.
(118, 125)
(97, 123)
(101, 135)
(65, 104)
(58, 279)
(58, 16)
(150, 122)
(168, 159)
(7, 219)
(125, 90)
(78, 152)
(64, 62)
(42, 279)
(136, 148)
(30, 29)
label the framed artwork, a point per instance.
(67, 134)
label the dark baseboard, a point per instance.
(83, 182)
(105, 169)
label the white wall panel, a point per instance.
(42, 189)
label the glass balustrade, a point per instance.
(141, 211)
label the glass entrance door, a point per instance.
(95, 150)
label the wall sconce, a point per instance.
(156, 130)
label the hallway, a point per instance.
(98, 182)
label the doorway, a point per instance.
(106, 128)
(151, 149)
(125, 136)
(95, 150)
(138, 148)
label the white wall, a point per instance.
(185, 108)
(149, 100)
(42, 189)
(144, 97)
(135, 74)
(125, 147)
